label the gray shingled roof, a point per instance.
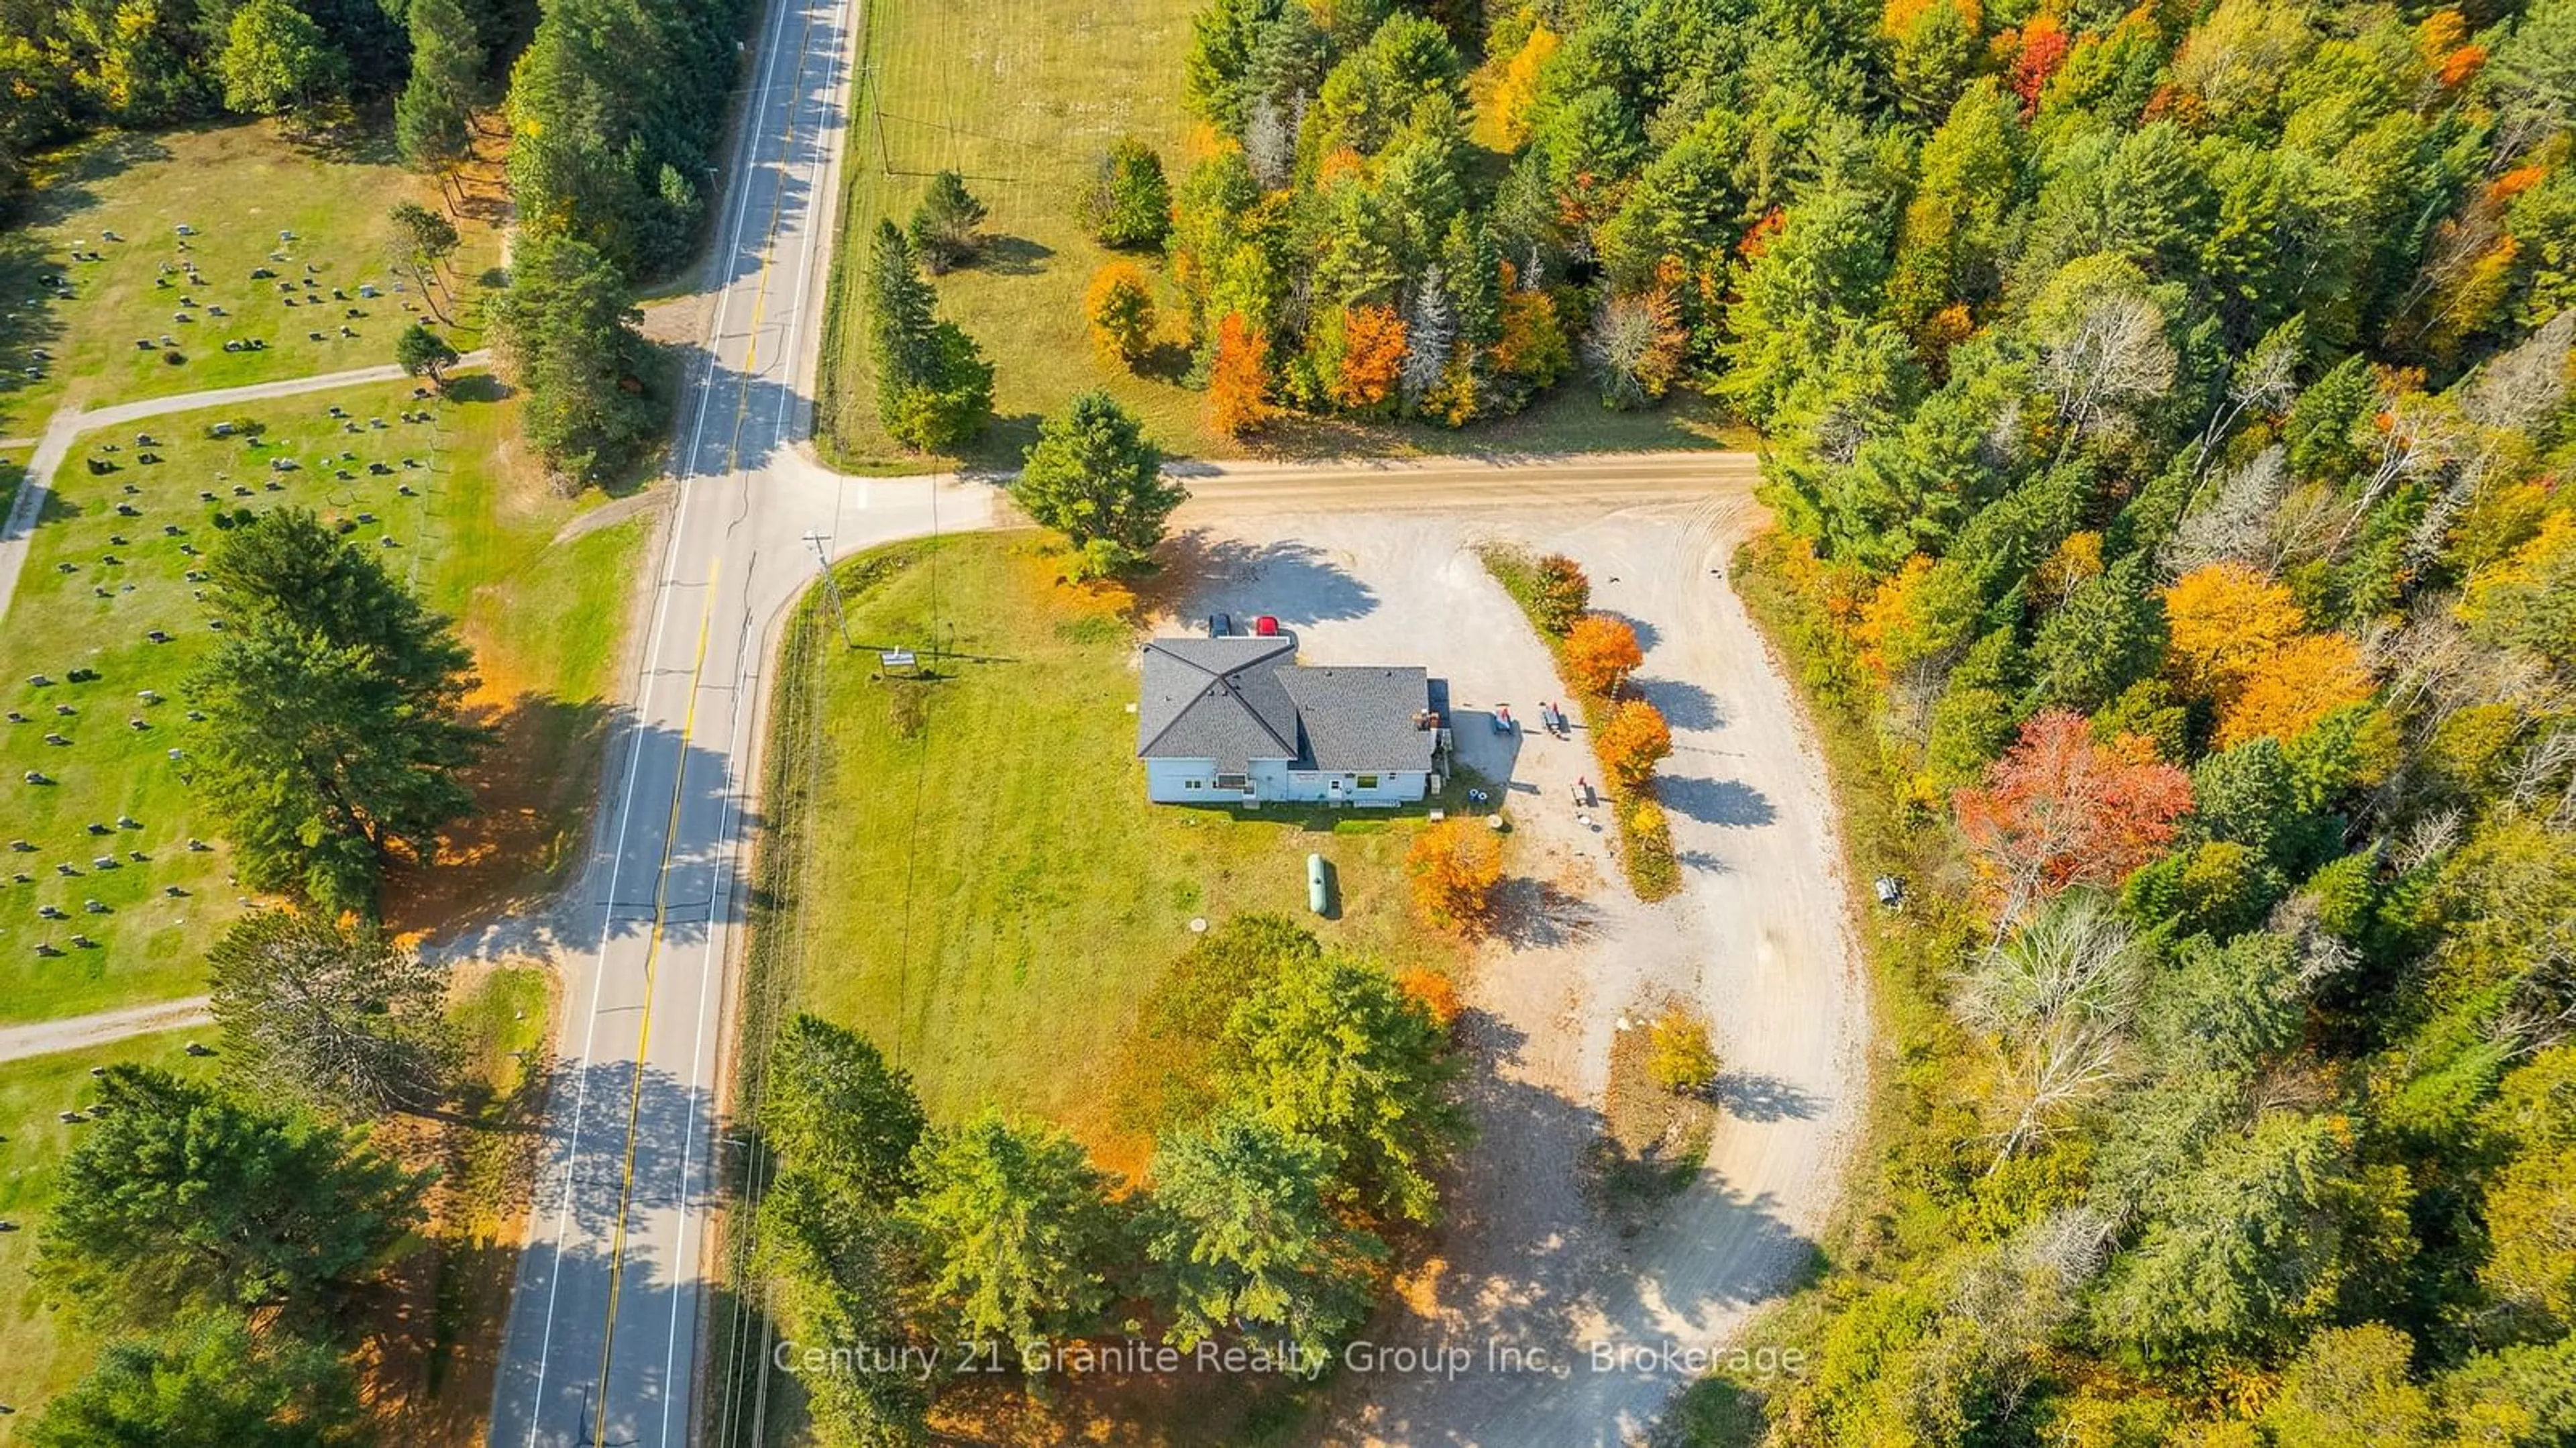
(1238, 699)
(1360, 718)
(1216, 699)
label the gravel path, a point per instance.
(1543, 1321)
(72, 1033)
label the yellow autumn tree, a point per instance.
(2238, 639)
(2303, 681)
(2223, 621)
(1119, 305)
(1455, 865)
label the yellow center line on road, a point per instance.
(644, 1035)
(679, 778)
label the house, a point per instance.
(1237, 720)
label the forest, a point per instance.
(2165, 411)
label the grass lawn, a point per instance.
(966, 868)
(1021, 104)
(42, 1350)
(239, 186)
(474, 533)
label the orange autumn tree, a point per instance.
(2059, 810)
(2240, 640)
(1455, 866)
(1119, 305)
(1601, 652)
(1631, 743)
(1372, 357)
(1239, 383)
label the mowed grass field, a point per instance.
(1021, 97)
(238, 187)
(971, 873)
(436, 498)
(45, 1348)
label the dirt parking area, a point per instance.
(1550, 1318)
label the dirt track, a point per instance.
(1759, 935)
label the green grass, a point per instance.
(967, 869)
(475, 538)
(43, 1348)
(239, 186)
(1022, 105)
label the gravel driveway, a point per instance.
(1541, 1323)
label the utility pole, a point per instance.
(831, 587)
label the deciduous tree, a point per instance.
(2060, 809)
(1600, 653)
(1679, 1056)
(419, 350)
(1239, 382)
(1129, 203)
(1455, 866)
(1632, 742)
(276, 60)
(1119, 305)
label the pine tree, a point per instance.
(432, 117)
(1428, 335)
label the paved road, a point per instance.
(605, 1320)
(44, 1038)
(64, 427)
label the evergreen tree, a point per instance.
(433, 117)
(1015, 1232)
(1241, 1239)
(180, 1197)
(1093, 477)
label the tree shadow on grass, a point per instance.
(1012, 256)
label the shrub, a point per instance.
(1646, 848)
(1239, 387)
(1119, 305)
(1563, 591)
(946, 227)
(1679, 1055)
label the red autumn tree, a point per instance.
(2060, 810)
(1239, 384)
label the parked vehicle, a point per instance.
(1219, 625)
(1503, 720)
(1266, 627)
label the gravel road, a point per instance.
(1542, 1321)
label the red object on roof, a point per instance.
(1266, 627)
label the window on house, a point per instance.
(1193, 783)
(1368, 781)
(1229, 781)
